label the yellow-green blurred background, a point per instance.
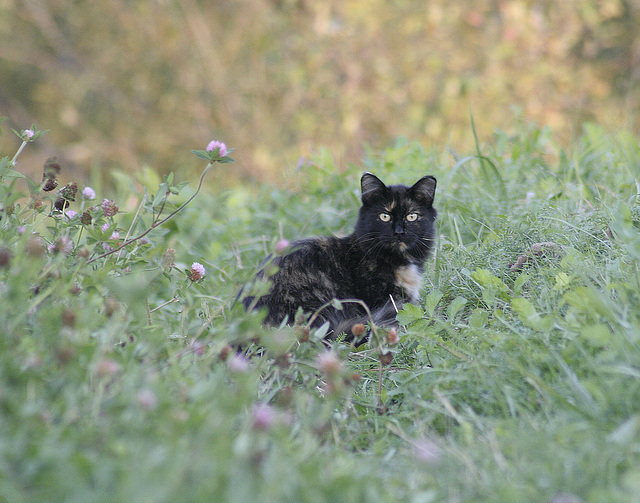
(126, 83)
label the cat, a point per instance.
(381, 263)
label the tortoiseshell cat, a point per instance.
(380, 263)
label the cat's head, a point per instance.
(397, 217)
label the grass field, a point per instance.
(516, 378)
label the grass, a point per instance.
(510, 382)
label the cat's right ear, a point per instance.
(371, 186)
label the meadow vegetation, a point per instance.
(516, 378)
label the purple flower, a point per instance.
(238, 363)
(28, 134)
(263, 416)
(71, 214)
(109, 208)
(222, 148)
(89, 193)
(197, 271)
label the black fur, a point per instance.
(382, 259)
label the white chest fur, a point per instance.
(410, 279)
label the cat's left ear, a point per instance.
(371, 185)
(425, 189)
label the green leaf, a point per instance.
(432, 301)
(455, 306)
(409, 314)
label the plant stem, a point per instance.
(155, 224)
(20, 149)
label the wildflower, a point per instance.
(385, 358)
(197, 272)
(70, 214)
(106, 367)
(221, 148)
(392, 336)
(115, 235)
(109, 208)
(61, 245)
(147, 399)
(329, 363)
(263, 416)
(281, 246)
(28, 134)
(238, 363)
(50, 174)
(21, 229)
(89, 193)
(85, 218)
(66, 195)
(358, 329)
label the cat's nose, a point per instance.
(398, 229)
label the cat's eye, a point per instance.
(385, 217)
(412, 217)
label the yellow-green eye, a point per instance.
(385, 217)
(412, 217)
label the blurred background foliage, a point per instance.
(128, 83)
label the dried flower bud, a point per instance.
(329, 363)
(66, 195)
(358, 329)
(111, 305)
(5, 257)
(225, 352)
(385, 358)
(68, 318)
(197, 272)
(168, 259)
(49, 184)
(50, 174)
(392, 336)
(84, 252)
(61, 245)
(85, 218)
(36, 204)
(303, 333)
(35, 247)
